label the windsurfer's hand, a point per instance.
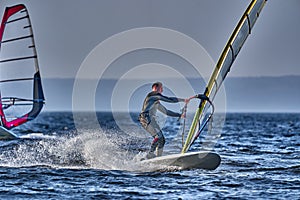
(188, 99)
(183, 115)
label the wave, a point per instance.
(91, 149)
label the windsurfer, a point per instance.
(147, 117)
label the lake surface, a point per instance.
(260, 160)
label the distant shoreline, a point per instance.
(265, 94)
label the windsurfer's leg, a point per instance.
(154, 145)
(156, 133)
(157, 144)
(160, 144)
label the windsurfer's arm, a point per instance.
(169, 99)
(170, 113)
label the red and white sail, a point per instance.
(21, 92)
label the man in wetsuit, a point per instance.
(148, 114)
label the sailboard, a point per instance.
(21, 92)
(190, 160)
(205, 109)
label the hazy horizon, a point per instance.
(251, 94)
(106, 78)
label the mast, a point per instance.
(229, 54)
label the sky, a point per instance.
(69, 32)
(66, 31)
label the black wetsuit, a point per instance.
(147, 118)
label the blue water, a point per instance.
(260, 160)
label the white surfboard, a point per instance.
(7, 134)
(192, 160)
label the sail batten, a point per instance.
(17, 79)
(15, 39)
(21, 92)
(17, 19)
(19, 58)
(227, 58)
